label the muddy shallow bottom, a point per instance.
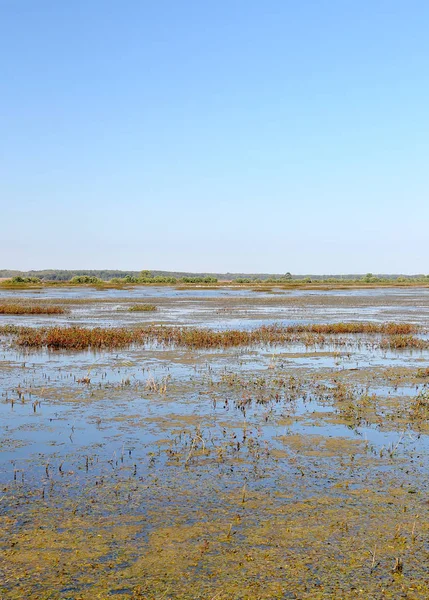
(271, 472)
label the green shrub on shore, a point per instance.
(161, 279)
(86, 279)
(20, 279)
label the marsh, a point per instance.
(170, 466)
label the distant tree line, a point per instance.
(173, 277)
(66, 275)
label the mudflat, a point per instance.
(234, 443)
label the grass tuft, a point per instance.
(143, 308)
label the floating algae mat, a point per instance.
(296, 467)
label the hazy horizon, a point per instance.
(215, 137)
(190, 272)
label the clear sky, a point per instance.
(215, 135)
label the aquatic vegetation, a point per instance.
(193, 462)
(424, 372)
(79, 338)
(14, 308)
(355, 328)
(143, 308)
(420, 407)
(397, 341)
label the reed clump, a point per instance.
(13, 308)
(80, 338)
(423, 372)
(398, 341)
(356, 327)
(143, 308)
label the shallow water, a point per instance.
(173, 458)
(222, 308)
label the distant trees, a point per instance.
(10, 277)
(19, 279)
(198, 279)
(85, 279)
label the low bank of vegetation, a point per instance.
(15, 308)
(124, 278)
(81, 338)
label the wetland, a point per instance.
(201, 443)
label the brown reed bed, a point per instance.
(80, 338)
(398, 341)
(15, 308)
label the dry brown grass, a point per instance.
(398, 341)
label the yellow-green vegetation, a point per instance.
(269, 546)
(143, 308)
(423, 373)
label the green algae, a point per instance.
(175, 474)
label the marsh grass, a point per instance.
(16, 308)
(81, 338)
(143, 308)
(401, 340)
(422, 373)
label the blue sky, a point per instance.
(215, 136)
